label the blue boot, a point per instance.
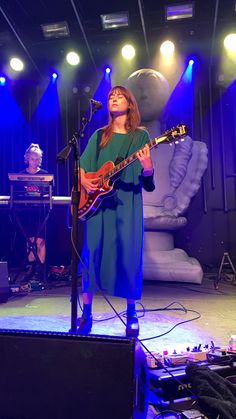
(132, 327)
(85, 325)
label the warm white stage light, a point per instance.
(230, 42)
(73, 58)
(16, 64)
(167, 48)
(128, 52)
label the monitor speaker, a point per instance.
(4, 282)
(63, 376)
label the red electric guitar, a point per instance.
(89, 203)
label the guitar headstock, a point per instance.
(176, 134)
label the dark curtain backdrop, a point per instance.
(47, 116)
(33, 113)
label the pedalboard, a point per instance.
(214, 355)
(172, 384)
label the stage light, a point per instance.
(179, 11)
(115, 20)
(54, 76)
(230, 42)
(55, 30)
(16, 64)
(108, 70)
(188, 74)
(73, 58)
(2, 81)
(128, 52)
(167, 48)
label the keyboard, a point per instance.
(56, 200)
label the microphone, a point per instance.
(97, 105)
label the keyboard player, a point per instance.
(31, 217)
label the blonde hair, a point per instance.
(33, 148)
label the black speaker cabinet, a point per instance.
(4, 282)
(63, 376)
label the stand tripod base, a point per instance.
(227, 263)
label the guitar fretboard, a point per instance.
(126, 162)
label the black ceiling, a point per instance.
(20, 31)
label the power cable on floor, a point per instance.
(141, 340)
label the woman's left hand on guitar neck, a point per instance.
(144, 157)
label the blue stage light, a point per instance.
(191, 62)
(108, 70)
(54, 76)
(2, 81)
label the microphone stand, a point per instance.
(62, 156)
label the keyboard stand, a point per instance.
(38, 189)
(32, 246)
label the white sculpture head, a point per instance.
(151, 91)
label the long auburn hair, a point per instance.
(133, 116)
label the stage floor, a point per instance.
(160, 328)
(170, 304)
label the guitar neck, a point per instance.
(126, 162)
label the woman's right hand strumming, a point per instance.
(89, 184)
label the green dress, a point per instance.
(113, 244)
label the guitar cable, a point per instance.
(119, 315)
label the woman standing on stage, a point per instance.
(113, 244)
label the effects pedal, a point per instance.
(175, 359)
(192, 414)
(197, 356)
(155, 360)
(219, 356)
